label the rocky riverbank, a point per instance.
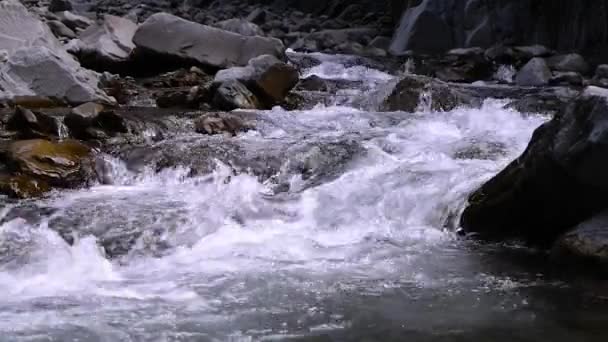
(80, 79)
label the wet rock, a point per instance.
(184, 42)
(240, 26)
(601, 76)
(266, 76)
(60, 30)
(62, 164)
(381, 42)
(571, 62)
(535, 73)
(32, 124)
(22, 186)
(544, 101)
(93, 121)
(221, 123)
(555, 184)
(567, 78)
(107, 45)
(412, 89)
(192, 97)
(330, 39)
(233, 94)
(586, 244)
(532, 51)
(316, 83)
(60, 5)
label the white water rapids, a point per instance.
(368, 253)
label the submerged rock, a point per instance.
(66, 163)
(221, 123)
(555, 184)
(180, 41)
(587, 243)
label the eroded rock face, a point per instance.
(166, 36)
(62, 164)
(558, 182)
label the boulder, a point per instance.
(233, 94)
(240, 26)
(567, 78)
(171, 38)
(107, 45)
(60, 30)
(266, 76)
(412, 89)
(586, 244)
(40, 72)
(35, 63)
(572, 62)
(93, 121)
(32, 124)
(62, 164)
(534, 74)
(221, 123)
(22, 186)
(74, 21)
(558, 182)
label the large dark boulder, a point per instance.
(165, 36)
(558, 182)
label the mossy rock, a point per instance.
(66, 163)
(22, 186)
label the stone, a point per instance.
(40, 72)
(66, 163)
(233, 94)
(107, 45)
(422, 28)
(60, 5)
(180, 41)
(380, 42)
(601, 71)
(32, 124)
(570, 62)
(22, 187)
(411, 89)
(534, 74)
(240, 26)
(60, 30)
(267, 77)
(221, 123)
(557, 183)
(531, 51)
(89, 120)
(74, 21)
(586, 244)
(567, 78)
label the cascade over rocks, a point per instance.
(557, 183)
(165, 36)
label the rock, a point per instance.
(535, 73)
(36, 64)
(258, 16)
(93, 121)
(571, 62)
(221, 123)
(22, 186)
(107, 45)
(32, 124)
(240, 26)
(586, 244)
(60, 5)
(601, 71)
(531, 51)
(422, 28)
(567, 78)
(88, 110)
(40, 72)
(380, 42)
(557, 183)
(412, 89)
(192, 97)
(180, 41)
(74, 21)
(233, 94)
(62, 164)
(330, 39)
(544, 101)
(266, 76)
(60, 30)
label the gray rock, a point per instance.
(107, 44)
(60, 30)
(535, 73)
(74, 21)
(558, 182)
(532, 51)
(567, 78)
(570, 62)
(221, 123)
(266, 76)
(40, 72)
(380, 42)
(168, 36)
(601, 71)
(232, 95)
(240, 26)
(586, 243)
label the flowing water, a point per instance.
(332, 224)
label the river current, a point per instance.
(351, 235)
